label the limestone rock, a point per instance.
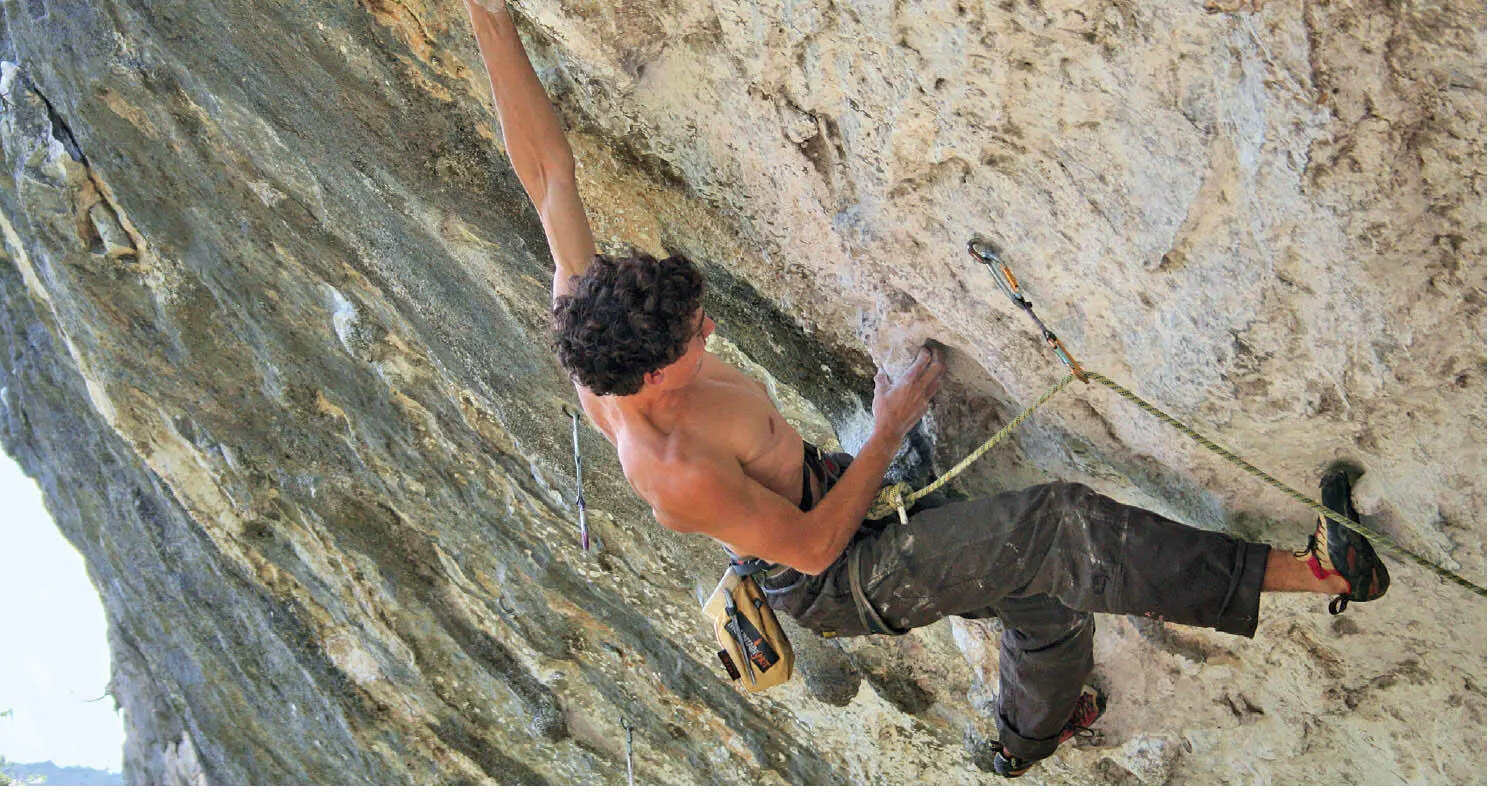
(273, 317)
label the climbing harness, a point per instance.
(579, 478)
(899, 496)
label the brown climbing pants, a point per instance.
(1043, 559)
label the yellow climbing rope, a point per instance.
(897, 498)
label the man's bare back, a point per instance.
(723, 415)
(706, 448)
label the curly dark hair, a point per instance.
(624, 318)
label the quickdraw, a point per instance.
(579, 478)
(984, 252)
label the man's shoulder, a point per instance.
(685, 484)
(673, 467)
(598, 409)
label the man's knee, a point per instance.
(1072, 491)
(1059, 495)
(1056, 633)
(1073, 504)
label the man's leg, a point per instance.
(1045, 658)
(1090, 552)
(1286, 572)
(1063, 540)
(1183, 574)
(1108, 557)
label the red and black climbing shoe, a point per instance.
(1088, 709)
(1337, 550)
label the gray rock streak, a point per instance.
(273, 340)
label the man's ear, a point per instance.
(653, 377)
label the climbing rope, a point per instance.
(1320, 509)
(899, 497)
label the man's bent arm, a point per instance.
(539, 152)
(831, 524)
(897, 407)
(716, 497)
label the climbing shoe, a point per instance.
(1090, 706)
(1336, 550)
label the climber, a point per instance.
(705, 447)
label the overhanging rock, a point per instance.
(274, 320)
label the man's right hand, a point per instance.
(898, 406)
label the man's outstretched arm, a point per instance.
(534, 141)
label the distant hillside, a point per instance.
(53, 775)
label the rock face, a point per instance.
(273, 313)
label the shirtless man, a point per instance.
(704, 446)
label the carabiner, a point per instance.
(985, 253)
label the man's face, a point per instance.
(699, 343)
(683, 369)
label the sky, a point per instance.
(62, 659)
